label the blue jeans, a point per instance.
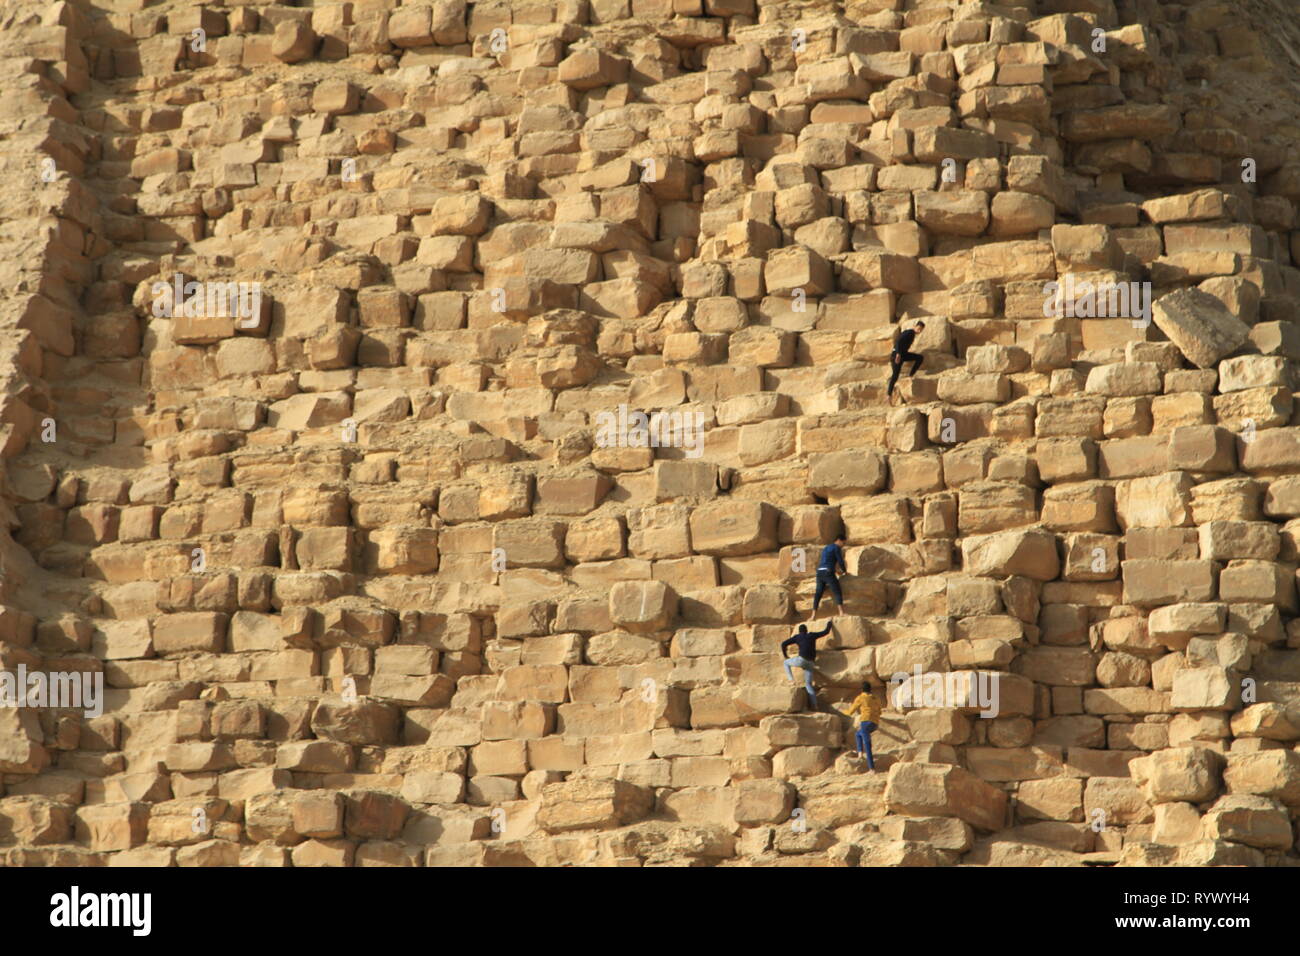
(807, 666)
(827, 579)
(864, 741)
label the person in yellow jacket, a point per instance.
(865, 708)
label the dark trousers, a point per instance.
(827, 579)
(864, 741)
(897, 360)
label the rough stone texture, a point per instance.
(469, 534)
(1200, 325)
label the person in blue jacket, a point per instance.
(832, 558)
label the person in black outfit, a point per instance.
(806, 641)
(900, 354)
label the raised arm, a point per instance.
(822, 633)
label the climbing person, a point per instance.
(866, 709)
(806, 641)
(900, 354)
(832, 558)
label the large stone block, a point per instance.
(358, 722)
(1226, 540)
(1272, 451)
(1031, 553)
(925, 790)
(1187, 774)
(1157, 501)
(1202, 448)
(764, 802)
(1119, 799)
(1151, 582)
(1204, 688)
(642, 606)
(1269, 773)
(1200, 325)
(846, 473)
(405, 549)
(1250, 819)
(732, 528)
(35, 820)
(592, 804)
(188, 632)
(530, 543)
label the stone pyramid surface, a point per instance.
(423, 421)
